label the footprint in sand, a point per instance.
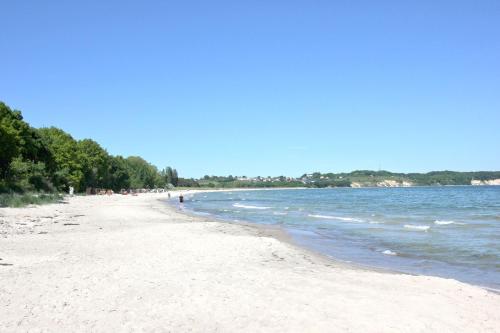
(4, 264)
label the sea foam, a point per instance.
(417, 227)
(249, 207)
(389, 253)
(330, 217)
(443, 222)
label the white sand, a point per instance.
(132, 264)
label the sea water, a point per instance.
(452, 232)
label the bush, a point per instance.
(21, 200)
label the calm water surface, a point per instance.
(443, 231)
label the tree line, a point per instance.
(51, 160)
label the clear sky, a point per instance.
(263, 87)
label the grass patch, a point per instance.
(21, 200)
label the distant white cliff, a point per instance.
(485, 182)
(384, 183)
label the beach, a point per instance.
(133, 263)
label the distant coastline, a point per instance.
(358, 178)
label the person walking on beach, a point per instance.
(181, 198)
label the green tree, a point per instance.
(9, 138)
(142, 174)
(23, 156)
(118, 175)
(68, 164)
(26, 175)
(175, 177)
(168, 174)
(94, 162)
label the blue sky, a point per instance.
(263, 87)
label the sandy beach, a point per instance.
(132, 263)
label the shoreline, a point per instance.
(281, 234)
(133, 263)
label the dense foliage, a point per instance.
(51, 160)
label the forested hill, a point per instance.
(51, 160)
(366, 178)
(358, 178)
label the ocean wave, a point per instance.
(389, 253)
(249, 207)
(417, 227)
(444, 222)
(280, 213)
(329, 217)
